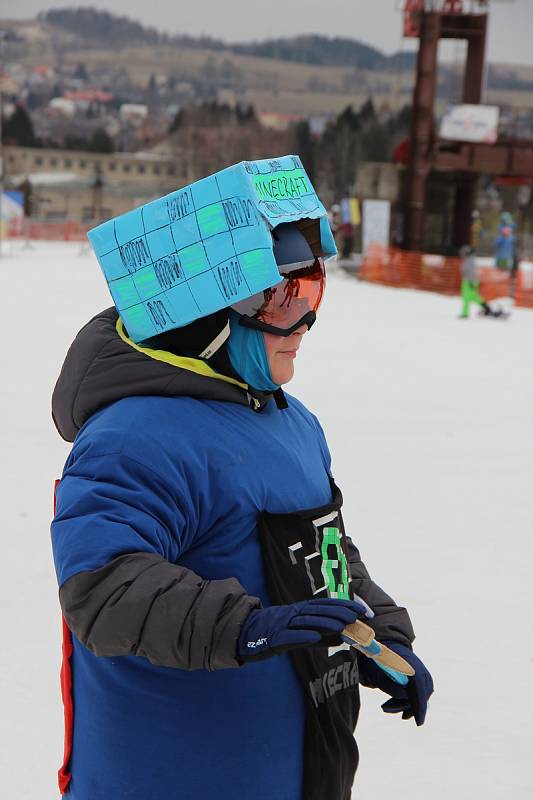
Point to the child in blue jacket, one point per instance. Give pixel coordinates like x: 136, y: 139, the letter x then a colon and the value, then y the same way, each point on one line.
x: 205, y: 575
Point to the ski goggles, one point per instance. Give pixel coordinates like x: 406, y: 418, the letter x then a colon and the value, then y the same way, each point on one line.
x: 283, y: 308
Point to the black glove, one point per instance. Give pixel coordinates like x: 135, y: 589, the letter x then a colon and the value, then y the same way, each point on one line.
x: 412, y: 699
x: 274, y: 630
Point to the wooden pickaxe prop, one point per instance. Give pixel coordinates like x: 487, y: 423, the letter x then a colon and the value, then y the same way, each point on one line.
x: 362, y: 637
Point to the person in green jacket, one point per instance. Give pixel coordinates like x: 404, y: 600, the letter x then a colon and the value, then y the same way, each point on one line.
x: 470, y: 283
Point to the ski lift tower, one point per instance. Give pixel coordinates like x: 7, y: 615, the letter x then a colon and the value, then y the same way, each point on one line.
x: 430, y: 21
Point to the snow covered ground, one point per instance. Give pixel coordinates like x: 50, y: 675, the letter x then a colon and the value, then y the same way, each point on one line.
x: 430, y: 422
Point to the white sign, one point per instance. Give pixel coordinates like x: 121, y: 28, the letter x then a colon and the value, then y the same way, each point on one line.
x: 470, y: 123
x: 376, y: 223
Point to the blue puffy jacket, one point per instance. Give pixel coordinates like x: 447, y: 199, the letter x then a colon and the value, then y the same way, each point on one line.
x: 158, y: 562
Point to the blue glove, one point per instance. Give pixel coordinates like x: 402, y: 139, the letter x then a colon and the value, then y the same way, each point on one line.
x: 412, y: 699
x: 274, y: 630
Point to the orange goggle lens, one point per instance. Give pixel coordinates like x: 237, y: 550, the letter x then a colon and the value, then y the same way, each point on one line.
x: 284, y: 304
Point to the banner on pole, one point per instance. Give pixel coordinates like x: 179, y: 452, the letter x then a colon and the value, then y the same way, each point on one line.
x: 376, y: 223
x: 470, y: 123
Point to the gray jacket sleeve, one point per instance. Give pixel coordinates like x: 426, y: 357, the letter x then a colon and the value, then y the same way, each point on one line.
x: 391, y: 621
x: 140, y: 604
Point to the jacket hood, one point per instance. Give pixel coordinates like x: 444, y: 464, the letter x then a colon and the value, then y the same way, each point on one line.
x: 103, y: 365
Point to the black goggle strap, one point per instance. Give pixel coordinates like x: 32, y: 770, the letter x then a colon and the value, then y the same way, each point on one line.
x: 251, y: 322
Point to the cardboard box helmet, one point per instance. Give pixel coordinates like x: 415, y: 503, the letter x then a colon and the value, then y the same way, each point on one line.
x: 210, y: 245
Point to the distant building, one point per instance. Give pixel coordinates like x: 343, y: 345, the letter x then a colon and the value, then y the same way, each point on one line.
x: 63, y: 105
x: 227, y: 97
x: 78, y: 185
x: 278, y: 122
x: 134, y: 113
x: 85, y: 98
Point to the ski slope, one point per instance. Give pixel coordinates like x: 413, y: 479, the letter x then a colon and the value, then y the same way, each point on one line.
x: 430, y: 423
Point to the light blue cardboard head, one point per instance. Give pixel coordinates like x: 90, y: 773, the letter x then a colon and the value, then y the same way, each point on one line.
x: 206, y: 246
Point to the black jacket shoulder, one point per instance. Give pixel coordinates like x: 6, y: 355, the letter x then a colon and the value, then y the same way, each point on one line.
x: 102, y: 366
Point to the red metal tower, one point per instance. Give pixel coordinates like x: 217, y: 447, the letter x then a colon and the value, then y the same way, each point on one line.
x: 429, y: 26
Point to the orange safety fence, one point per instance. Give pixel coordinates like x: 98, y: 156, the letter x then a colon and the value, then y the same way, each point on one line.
x: 524, y: 288
x: 391, y: 266
x: 394, y: 267
x: 494, y: 283
x: 65, y: 231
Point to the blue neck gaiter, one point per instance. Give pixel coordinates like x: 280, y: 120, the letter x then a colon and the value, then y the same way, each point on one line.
x: 248, y: 356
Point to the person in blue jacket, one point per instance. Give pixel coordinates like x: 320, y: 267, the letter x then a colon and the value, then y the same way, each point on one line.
x: 505, y: 242
x: 205, y: 575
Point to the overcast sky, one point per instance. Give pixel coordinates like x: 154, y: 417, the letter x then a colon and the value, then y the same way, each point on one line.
x: 377, y: 22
